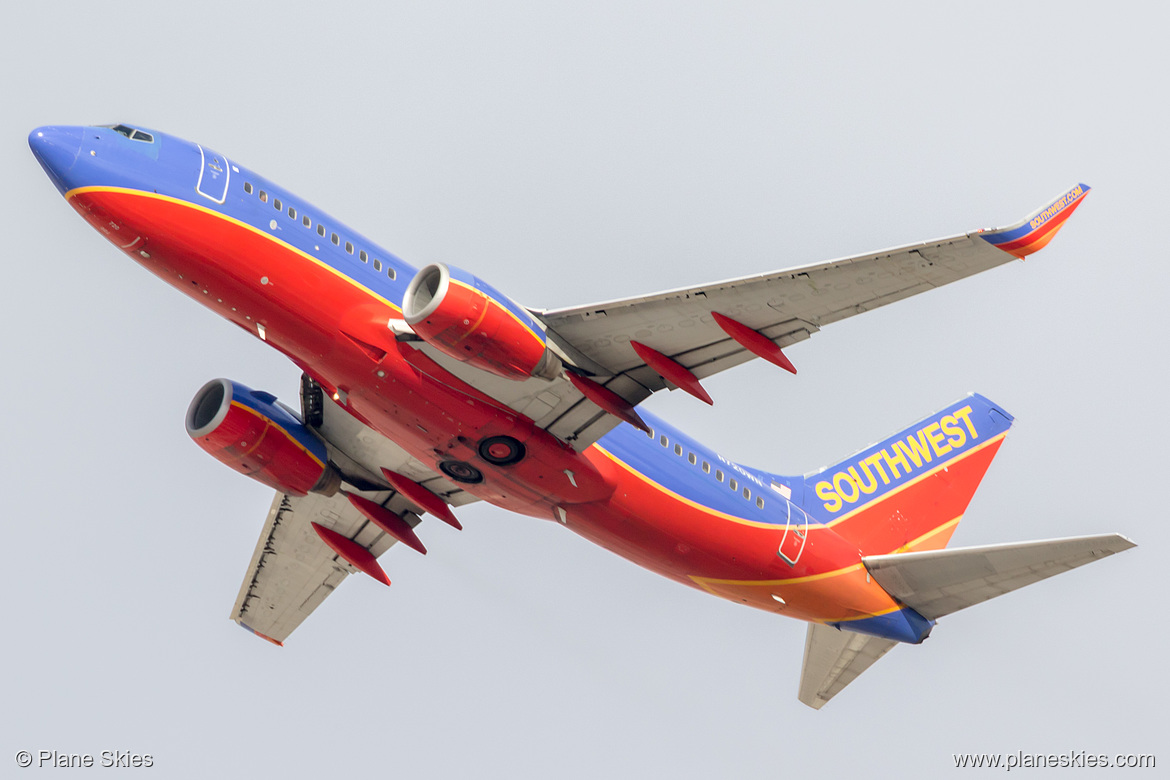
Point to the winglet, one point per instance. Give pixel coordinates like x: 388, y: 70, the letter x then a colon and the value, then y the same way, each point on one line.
x: 1034, y: 233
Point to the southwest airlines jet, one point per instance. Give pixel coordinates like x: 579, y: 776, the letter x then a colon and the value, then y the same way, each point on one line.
x: 424, y: 390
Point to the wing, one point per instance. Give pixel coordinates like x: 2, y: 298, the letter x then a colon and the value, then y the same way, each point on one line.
x: 833, y: 659
x: 292, y: 568
x: 784, y: 306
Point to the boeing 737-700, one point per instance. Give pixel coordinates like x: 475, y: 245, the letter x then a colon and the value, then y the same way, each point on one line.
x: 425, y: 390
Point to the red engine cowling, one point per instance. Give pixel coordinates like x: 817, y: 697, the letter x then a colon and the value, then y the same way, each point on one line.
x: 467, y: 319
x: 247, y: 430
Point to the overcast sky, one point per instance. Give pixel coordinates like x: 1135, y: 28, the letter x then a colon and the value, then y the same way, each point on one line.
x: 568, y: 154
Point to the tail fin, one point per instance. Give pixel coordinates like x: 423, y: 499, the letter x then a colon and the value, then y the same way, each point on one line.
x: 909, y: 491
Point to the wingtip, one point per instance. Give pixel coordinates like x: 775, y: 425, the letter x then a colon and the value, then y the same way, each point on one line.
x: 1033, y: 233
x: 254, y: 632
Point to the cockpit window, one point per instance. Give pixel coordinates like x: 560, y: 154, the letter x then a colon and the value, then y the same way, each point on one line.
x: 132, y: 133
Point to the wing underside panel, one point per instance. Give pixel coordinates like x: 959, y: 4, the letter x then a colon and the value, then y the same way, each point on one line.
x: 292, y: 571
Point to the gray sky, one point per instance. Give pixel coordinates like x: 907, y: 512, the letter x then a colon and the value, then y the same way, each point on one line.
x: 567, y: 155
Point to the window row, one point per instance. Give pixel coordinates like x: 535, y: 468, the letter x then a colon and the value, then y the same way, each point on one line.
x: 693, y: 459
x: 321, y: 231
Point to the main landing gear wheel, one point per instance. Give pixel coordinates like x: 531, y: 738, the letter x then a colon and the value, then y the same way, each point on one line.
x: 501, y: 450
x: 461, y: 471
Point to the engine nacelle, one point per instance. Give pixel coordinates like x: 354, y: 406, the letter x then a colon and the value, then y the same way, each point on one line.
x: 469, y: 320
x: 249, y: 431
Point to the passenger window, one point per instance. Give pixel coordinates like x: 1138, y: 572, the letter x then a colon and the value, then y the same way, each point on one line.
x: 706, y: 467
x: 321, y: 231
x: 248, y: 187
x: 377, y: 265
x: 650, y: 433
x: 276, y: 204
x: 394, y: 275
x: 691, y: 457
x: 678, y: 450
x: 718, y: 475
x: 336, y: 241
x: 306, y: 221
x: 747, y: 493
x: 663, y: 440
x: 760, y: 501
x: 263, y: 196
x: 349, y: 247
x: 292, y: 213
x: 733, y: 484
x: 364, y: 257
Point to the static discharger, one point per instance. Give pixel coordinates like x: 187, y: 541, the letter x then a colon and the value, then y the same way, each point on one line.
x: 422, y: 498
x: 356, y: 555
x: 387, y: 521
x: 672, y: 371
x: 608, y: 400
x: 754, y: 341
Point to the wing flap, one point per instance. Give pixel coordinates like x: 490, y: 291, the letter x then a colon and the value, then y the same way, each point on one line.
x: 833, y: 659
x: 938, y: 582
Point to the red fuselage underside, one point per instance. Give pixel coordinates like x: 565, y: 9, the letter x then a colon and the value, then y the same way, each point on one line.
x: 334, y: 329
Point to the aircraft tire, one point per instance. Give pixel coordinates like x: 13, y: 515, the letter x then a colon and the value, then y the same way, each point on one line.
x: 461, y: 471
x: 501, y: 450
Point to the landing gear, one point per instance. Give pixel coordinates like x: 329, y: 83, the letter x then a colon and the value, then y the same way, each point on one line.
x: 501, y: 450
x: 461, y: 471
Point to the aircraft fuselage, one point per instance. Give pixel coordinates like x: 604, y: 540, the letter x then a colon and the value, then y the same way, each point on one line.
x: 327, y: 297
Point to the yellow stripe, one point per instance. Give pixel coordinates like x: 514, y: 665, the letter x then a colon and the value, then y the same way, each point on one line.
x: 227, y: 218
x: 509, y: 312
x: 704, y: 581
x: 811, y: 525
x: 942, y: 466
x: 910, y: 545
x: 708, y: 510
x: 273, y: 424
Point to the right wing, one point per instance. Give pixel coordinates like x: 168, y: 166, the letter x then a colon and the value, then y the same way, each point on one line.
x: 784, y: 306
x: 778, y: 309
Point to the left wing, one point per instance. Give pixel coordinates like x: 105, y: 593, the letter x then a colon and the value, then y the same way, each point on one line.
x: 292, y: 570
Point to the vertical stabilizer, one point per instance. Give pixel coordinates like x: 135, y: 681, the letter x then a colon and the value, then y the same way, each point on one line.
x: 909, y: 491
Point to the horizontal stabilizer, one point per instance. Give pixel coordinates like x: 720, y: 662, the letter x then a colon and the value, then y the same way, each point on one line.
x: 939, y: 582
x: 833, y: 659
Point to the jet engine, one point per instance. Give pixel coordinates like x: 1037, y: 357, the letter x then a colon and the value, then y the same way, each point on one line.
x: 256, y: 435
x: 469, y: 320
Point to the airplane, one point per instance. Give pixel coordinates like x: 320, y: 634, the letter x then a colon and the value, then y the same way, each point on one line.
x: 424, y: 390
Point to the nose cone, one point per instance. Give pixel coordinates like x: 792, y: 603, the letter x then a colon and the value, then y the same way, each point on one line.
x: 57, y: 149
